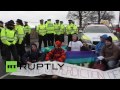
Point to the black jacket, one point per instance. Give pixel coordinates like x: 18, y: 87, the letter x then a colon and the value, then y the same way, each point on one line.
x: 32, y: 56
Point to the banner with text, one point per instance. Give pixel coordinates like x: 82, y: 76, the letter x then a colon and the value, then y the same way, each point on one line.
x: 66, y: 70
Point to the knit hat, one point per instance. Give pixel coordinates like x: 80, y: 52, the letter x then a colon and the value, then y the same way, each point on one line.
x: 109, y: 39
x: 104, y: 36
x: 58, y: 43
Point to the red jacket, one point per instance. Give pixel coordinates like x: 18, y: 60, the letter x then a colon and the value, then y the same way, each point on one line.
x: 56, y: 54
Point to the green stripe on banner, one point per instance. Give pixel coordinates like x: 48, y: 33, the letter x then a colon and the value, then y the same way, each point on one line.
x: 79, y: 61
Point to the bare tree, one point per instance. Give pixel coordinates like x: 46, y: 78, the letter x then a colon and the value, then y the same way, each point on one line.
x: 80, y: 15
x: 92, y: 16
x: 106, y: 15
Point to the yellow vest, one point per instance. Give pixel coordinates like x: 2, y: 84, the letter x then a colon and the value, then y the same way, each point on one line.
x: 57, y: 28
x: 41, y: 29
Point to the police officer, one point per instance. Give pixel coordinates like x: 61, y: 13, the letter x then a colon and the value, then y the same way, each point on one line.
x: 62, y: 30
x: 75, y: 28
x: 27, y: 30
x: 11, y: 21
x: 9, y: 39
x: 57, y: 31
x: 20, y: 34
x: 41, y: 30
x: 2, y: 46
x: 50, y: 32
x: 70, y: 30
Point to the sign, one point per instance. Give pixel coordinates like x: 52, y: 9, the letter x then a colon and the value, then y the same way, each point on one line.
x: 70, y: 71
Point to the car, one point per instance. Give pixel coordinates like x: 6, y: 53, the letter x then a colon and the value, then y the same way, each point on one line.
x: 91, y: 34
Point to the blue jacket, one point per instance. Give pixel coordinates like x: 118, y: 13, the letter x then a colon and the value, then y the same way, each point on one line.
x: 99, y: 46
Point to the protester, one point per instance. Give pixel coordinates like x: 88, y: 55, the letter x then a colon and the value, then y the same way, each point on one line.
x: 57, y: 54
x: 33, y: 55
x: 75, y: 44
x: 100, y: 45
x: 110, y: 53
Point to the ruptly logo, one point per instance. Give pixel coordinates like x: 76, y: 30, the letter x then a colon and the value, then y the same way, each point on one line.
x: 11, y: 66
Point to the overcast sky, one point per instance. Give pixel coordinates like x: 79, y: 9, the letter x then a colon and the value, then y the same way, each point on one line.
x: 35, y: 16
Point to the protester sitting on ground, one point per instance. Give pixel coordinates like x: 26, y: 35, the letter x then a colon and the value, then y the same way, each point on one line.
x: 56, y: 54
x: 75, y: 44
x: 100, y: 45
x: 33, y: 55
x: 110, y: 53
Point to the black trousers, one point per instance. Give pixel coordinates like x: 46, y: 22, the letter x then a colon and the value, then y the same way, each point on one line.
x: 62, y: 37
x: 21, y: 50
x: 2, y: 49
x: 44, y: 39
x: 69, y: 38
x: 27, y: 39
x: 11, y: 50
x: 58, y: 37
x: 50, y: 38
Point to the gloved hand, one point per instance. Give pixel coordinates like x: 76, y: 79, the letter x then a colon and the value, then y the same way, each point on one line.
x: 100, y: 57
x: 13, y: 43
x: 9, y: 44
x: 19, y: 42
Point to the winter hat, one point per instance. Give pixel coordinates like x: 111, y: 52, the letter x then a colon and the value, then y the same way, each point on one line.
x: 109, y: 39
x: 104, y: 36
x: 58, y: 43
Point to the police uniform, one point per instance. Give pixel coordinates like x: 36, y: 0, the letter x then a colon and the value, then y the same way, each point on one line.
x: 27, y: 30
x: 50, y: 32
x: 20, y: 35
x: 9, y: 39
x: 57, y: 31
x: 62, y: 30
x: 41, y: 30
x: 2, y: 46
x: 70, y: 30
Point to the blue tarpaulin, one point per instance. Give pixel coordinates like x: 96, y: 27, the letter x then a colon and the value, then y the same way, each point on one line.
x: 48, y: 49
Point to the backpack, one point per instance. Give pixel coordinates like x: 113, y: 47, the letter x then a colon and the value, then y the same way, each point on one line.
x: 101, y: 65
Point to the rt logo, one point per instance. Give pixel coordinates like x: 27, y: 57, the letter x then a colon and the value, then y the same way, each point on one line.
x: 11, y: 66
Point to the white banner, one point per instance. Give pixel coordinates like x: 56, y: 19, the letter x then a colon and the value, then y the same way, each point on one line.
x: 66, y: 70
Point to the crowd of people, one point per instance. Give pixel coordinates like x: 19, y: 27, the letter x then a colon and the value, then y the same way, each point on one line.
x: 14, y: 37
